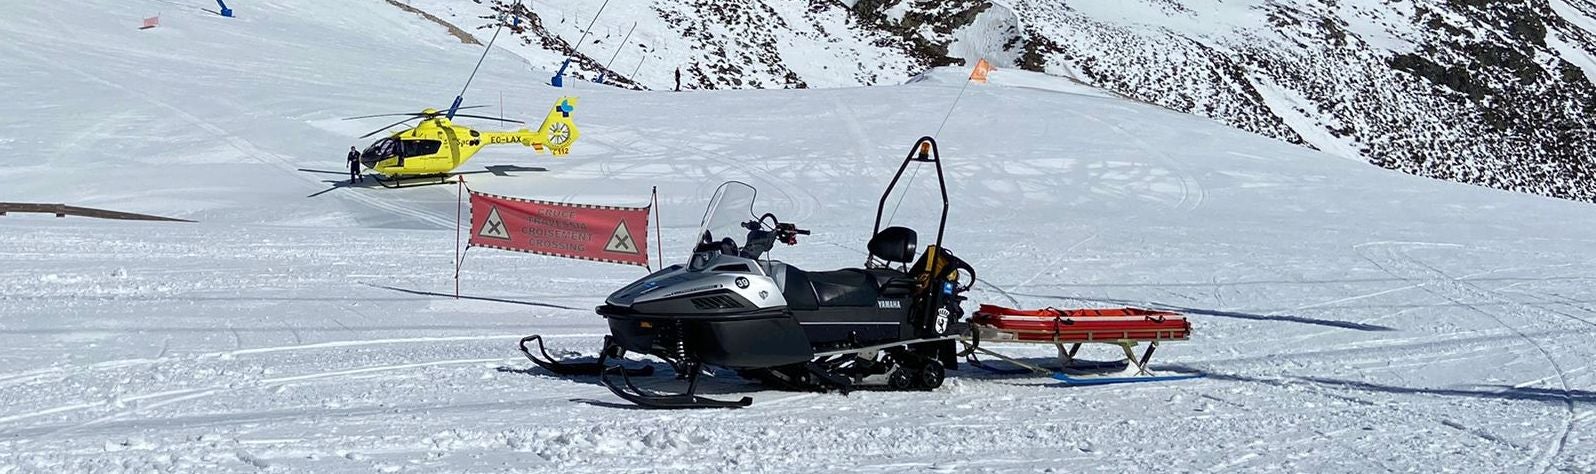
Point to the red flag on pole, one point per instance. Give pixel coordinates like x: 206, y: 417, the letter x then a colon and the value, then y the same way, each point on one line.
x: 151, y: 22
x: 982, y: 68
x: 580, y: 231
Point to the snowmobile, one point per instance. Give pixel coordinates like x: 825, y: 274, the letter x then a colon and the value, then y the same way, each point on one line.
x: 890, y: 325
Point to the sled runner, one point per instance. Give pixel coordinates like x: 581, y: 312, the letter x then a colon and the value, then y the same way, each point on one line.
x: 1123, y: 327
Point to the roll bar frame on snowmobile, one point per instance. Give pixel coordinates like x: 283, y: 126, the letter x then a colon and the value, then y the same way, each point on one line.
x: 942, y: 262
x: 937, y: 262
x: 926, y: 149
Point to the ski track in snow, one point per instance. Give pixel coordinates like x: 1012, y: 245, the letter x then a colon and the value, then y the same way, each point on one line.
x: 1192, y: 192
x: 1402, y: 265
x: 310, y: 334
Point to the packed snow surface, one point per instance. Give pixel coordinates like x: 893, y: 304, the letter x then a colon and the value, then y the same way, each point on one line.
x: 1347, y: 318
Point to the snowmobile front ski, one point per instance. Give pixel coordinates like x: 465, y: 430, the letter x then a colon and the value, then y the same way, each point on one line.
x: 578, y: 368
x: 648, y: 399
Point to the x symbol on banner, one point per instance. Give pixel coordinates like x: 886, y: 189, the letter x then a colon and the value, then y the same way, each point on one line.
x: 493, y: 227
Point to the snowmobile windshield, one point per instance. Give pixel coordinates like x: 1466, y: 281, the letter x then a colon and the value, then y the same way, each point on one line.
x: 726, y: 222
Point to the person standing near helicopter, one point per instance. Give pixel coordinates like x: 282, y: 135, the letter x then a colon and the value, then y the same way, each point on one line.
x: 354, y: 165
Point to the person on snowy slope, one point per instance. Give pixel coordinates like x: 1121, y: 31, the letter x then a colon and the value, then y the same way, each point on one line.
x: 354, y: 165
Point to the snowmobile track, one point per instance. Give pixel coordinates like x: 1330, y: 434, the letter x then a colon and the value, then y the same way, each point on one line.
x: 169, y: 397
x: 1399, y: 263
x: 1192, y: 193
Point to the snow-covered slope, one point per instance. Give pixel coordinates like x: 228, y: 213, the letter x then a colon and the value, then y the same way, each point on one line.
x: 1349, y: 318
x: 1498, y: 94
x: 715, y: 44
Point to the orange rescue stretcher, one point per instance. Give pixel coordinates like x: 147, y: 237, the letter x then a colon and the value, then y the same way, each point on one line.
x: 1068, y: 330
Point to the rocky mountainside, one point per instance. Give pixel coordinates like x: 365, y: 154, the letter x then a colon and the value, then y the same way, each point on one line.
x: 1500, y: 94
x: 1491, y: 93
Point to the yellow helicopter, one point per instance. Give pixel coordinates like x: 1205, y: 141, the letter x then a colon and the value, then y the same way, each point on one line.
x: 436, y: 146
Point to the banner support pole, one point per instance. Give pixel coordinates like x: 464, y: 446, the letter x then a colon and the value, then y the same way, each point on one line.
x: 659, y: 246
x: 459, y: 201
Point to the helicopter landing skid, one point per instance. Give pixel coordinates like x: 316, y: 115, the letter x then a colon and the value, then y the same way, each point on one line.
x: 414, y: 181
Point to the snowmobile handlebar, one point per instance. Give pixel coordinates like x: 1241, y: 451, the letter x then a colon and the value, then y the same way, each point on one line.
x: 784, y: 232
x: 788, y: 233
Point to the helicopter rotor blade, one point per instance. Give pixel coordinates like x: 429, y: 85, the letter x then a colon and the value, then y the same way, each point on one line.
x: 489, y: 118
x: 411, y: 114
x: 414, y: 114
x: 384, y: 129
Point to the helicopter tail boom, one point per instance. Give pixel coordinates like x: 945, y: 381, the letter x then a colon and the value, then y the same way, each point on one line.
x: 523, y: 136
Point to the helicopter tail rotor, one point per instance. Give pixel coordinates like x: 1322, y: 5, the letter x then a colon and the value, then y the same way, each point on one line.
x: 558, y: 132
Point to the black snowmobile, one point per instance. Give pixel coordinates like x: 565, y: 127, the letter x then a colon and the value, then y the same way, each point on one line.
x: 890, y: 325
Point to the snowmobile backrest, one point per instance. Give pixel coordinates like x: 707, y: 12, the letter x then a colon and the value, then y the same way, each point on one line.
x: 894, y: 244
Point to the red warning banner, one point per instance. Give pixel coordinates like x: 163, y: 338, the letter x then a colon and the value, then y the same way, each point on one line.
x: 598, y: 233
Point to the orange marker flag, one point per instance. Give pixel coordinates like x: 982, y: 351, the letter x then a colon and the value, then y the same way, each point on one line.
x: 981, y: 69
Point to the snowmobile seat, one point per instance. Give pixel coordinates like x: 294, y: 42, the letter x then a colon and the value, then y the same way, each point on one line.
x: 846, y: 287
x: 805, y: 290
x: 893, y: 283
x: 894, y: 244
x: 798, y: 291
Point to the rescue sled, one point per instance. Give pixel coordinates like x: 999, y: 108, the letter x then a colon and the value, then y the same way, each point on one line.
x: 1122, y: 327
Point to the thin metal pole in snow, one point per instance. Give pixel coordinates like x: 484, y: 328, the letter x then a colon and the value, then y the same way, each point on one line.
x: 639, y: 67
x: 461, y: 97
x: 622, y: 46
x: 951, y: 108
x: 459, y: 201
x: 659, y: 246
x: 938, y: 134
x: 589, y: 29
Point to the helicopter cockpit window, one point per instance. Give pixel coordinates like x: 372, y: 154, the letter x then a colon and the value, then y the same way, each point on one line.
x: 381, y: 149
x: 420, y: 147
